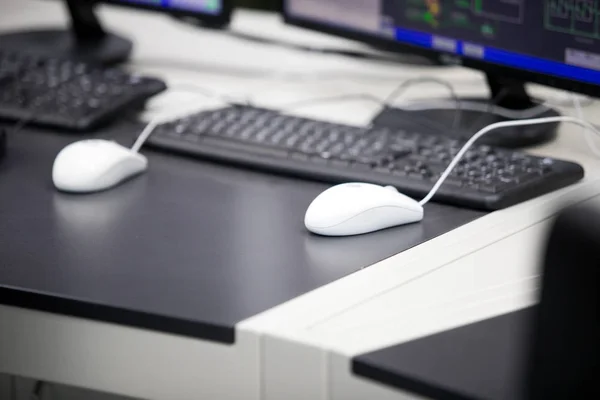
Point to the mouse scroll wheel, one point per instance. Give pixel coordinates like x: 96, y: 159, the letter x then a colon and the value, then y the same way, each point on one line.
x: 391, y: 188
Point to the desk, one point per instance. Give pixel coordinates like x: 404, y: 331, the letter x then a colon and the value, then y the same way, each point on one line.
x: 484, y: 360
x: 171, y: 293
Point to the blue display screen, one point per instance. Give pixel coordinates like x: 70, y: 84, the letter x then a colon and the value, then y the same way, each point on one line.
x: 559, y: 38
x: 213, y: 7
x: 504, y: 57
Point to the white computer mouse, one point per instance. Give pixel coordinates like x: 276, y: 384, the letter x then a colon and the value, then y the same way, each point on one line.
x: 95, y: 165
x: 357, y: 208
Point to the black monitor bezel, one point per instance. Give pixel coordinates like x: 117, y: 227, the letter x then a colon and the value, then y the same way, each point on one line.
x: 216, y: 21
x: 444, y: 58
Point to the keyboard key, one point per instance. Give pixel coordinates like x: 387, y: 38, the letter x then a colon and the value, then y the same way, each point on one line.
x: 399, y: 172
x: 384, y: 170
x: 491, y: 189
x: 361, y: 166
x: 299, y: 156
x: 320, y: 160
x: 244, y: 148
x: 340, y: 163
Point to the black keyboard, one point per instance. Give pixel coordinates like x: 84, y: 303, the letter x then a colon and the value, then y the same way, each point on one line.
x: 68, y: 94
x: 487, y: 178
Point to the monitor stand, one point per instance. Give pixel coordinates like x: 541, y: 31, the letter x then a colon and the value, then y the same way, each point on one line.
x: 508, y: 93
x: 86, y: 40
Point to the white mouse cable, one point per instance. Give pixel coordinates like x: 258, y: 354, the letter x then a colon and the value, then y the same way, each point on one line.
x: 187, y: 87
x: 490, y: 128
x: 479, y: 107
x: 407, y: 84
x: 533, y: 112
x: 154, y: 122
x: 150, y: 127
x: 356, y: 97
x: 388, y: 102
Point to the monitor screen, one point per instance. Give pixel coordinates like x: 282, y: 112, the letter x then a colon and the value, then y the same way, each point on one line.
x: 213, y: 7
x: 555, y: 38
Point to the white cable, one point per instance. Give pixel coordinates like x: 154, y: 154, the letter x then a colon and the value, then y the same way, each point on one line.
x: 398, y: 91
x: 587, y: 134
x: 474, y: 106
x: 404, y: 86
x: 206, y: 92
x: 487, y: 129
x: 150, y: 127
x: 441, y: 104
x: 417, y: 81
x: 542, y: 107
x: 159, y: 119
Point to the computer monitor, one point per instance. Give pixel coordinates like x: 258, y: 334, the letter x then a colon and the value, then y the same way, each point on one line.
x: 88, y: 41
x: 211, y: 12
x: 550, y: 42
